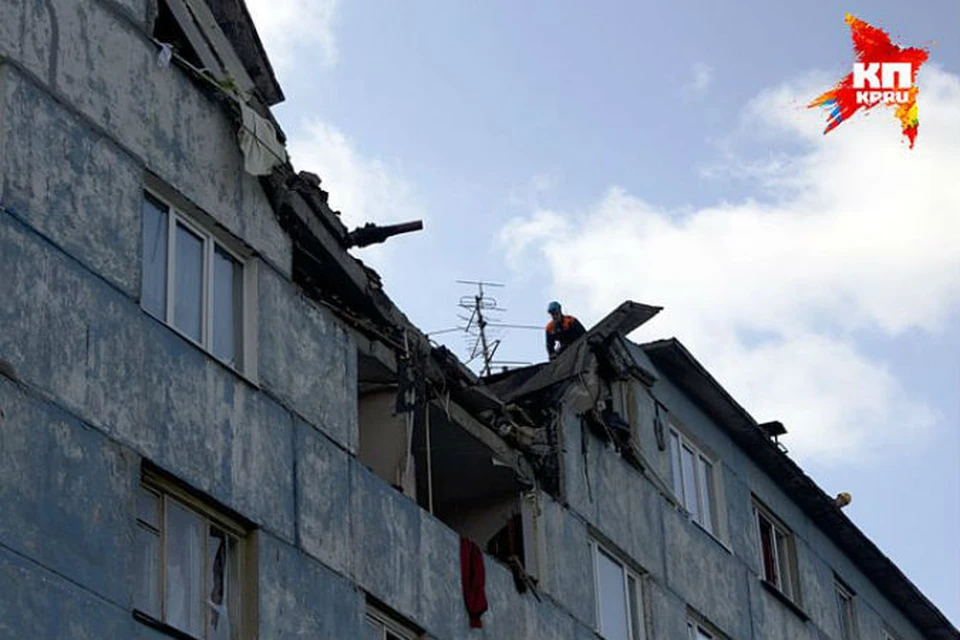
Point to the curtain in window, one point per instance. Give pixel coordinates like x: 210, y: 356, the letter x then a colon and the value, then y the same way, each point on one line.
x: 188, y: 293
x: 147, y: 595
x: 227, y: 290
x: 184, y: 576
x: 690, y: 484
x: 153, y: 285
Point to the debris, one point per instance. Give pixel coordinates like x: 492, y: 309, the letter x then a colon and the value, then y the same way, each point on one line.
x: 372, y: 234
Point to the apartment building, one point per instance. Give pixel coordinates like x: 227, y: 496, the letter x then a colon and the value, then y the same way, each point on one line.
x: 214, y: 423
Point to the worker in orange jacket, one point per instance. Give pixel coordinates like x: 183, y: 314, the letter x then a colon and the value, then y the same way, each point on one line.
x: 561, y: 330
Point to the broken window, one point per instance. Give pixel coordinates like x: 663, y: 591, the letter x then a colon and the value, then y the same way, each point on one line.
x: 189, y: 565
x: 194, y: 283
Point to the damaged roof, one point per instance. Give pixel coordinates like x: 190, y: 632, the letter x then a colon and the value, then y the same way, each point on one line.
x: 355, y: 293
x: 234, y: 18
x: 619, y: 322
x: 674, y: 361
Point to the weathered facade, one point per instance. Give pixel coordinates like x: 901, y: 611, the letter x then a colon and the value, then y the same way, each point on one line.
x: 215, y: 424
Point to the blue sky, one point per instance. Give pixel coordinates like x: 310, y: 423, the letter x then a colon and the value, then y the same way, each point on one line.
x: 661, y: 152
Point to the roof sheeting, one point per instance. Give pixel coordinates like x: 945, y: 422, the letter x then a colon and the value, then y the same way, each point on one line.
x: 621, y: 321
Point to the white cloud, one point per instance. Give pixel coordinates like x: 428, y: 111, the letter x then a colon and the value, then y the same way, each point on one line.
x: 700, y: 81
x: 292, y: 29
x: 363, y: 189
x: 529, y: 194
x: 773, y: 296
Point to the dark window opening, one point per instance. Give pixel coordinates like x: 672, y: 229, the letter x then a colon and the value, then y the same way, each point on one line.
x: 167, y: 29
x: 507, y: 543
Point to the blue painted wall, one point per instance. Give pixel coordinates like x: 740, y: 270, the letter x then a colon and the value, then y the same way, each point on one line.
x: 85, y: 114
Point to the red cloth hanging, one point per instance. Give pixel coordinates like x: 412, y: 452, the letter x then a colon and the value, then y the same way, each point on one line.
x: 473, y: 578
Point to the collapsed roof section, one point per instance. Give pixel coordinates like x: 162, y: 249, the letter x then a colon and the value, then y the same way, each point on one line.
x: 520, y: 383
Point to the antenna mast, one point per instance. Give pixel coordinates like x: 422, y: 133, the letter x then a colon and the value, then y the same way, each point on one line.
x: 480, y: 344
x: 477, y: 323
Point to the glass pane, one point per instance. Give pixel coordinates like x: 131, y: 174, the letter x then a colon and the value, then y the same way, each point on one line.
x: 148, y: 508
x: 392, y: 636
x: 844, y: 607
x: 372, y: 630
x: 706, y: 493
x: 234, y: 578
x: 690, y: 483
x: 184, y: 564
x: 675, y: 464
x: 766, y: 550
x: 636, y: 608
x: 153, y: 285
x: 146, y: 597
x: 227, y: 306
x: 188, y: 291
x: 613, y: 602
x: 783, y: 559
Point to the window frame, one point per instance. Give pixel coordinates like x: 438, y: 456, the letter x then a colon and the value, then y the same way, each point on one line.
x: 181, y: 212
x: 636, y: 613
x: 700, y: 457
x: 244, y: 535
x: 695, y: 627
x: 389, y: 623
x: 846, y: 599
x: 777, y: 526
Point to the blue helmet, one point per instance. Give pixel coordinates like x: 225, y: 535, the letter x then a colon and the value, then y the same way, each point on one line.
x: 553, y: 307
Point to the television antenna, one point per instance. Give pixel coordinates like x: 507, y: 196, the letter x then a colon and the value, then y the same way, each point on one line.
x: 481, y: 315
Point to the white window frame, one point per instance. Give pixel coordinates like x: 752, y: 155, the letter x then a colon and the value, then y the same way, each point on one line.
x: 846, y: 599
x: 634, y: 605
x: 792, y: 590
x: 699, y: 458
x: 388, y: 623
x: 694, y: 628
x: 246, y: 361
x: 166, y: 491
